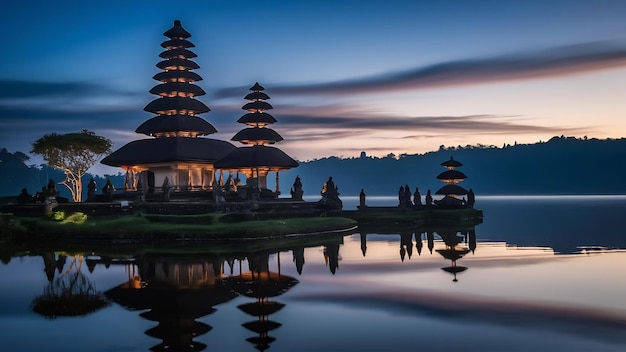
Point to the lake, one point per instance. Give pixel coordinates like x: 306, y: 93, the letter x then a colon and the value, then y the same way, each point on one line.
x: 540, y: 273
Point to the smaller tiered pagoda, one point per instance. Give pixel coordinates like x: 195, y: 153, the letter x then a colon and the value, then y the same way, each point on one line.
x: 257, y: 159
x: 451, y: 190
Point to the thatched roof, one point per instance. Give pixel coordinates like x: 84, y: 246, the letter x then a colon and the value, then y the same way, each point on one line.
x: 451, y: 175
x: 170, y: 149
x: 177, y: 62
x: 176, y: 103
x: 177, y: 43
x: 257, y: 105
x: 177, y: 31
x: 257, y: 134
x: 167, y: 54
x: 257, y: 117
x: 451, y: 163
x: 256, y: 156
x: 175, y: 123
x: 170, y: 87
x: 257, y: 96
x: 451, y: 189
x: 257, y: 87
x: 168, y: 76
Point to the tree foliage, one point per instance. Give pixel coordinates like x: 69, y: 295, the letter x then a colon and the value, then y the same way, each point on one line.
x: 73, y: 153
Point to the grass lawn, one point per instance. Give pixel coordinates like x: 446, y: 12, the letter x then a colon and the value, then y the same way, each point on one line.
x: 204, y: 226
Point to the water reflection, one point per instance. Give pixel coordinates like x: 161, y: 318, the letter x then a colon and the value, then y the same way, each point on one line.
x: 378, y: 289
x: 71, y: 293
x: 175, y: 290
x: 261, y: 284
x: 458, y: 241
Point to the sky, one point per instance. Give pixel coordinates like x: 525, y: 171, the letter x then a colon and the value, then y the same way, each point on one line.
x: 343, y: 76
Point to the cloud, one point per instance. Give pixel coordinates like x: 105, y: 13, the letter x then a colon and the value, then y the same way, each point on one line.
x: 66, y: 96
x: 560, y: 61
x: 38, y: 89
x: 371, y: 122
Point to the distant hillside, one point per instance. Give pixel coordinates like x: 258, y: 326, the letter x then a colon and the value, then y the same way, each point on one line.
x: 562, y: 165
x: 15, y: 174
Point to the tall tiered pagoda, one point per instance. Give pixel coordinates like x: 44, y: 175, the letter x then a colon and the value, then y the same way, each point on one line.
x: 257, y: 159
x: 178, y: 156
x: 451, y: 177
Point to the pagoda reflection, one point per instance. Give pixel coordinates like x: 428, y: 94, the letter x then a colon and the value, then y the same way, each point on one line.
x: 457, y: 242
x: 261, y: 284
x: 175, y: 291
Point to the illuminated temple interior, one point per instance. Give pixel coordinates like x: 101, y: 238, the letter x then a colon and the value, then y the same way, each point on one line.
x: 178, y: 155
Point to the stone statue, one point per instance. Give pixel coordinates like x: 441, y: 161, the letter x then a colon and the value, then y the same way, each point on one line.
x: 330, y: 196
x: 107, y: 191
x: 296, y: 190
x: 91, y: 190
x: 417, y: 198
x: 471, y: 198
x: 24, y: 197
x: 362, y: 199
x: 165, y: 187
x: 329, y: 189
x: 407, y: 196
x: 51, y: 190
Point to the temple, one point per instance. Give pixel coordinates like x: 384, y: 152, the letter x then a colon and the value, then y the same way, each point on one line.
x: 177, y: 157
x: 257, y: 159
x: 451, y: 177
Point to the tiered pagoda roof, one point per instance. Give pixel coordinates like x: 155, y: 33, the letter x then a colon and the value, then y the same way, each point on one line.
x: 451, y: 177
x: 257, y: 135
x: 176, y: 125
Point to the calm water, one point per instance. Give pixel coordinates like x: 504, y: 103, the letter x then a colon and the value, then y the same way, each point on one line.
x: 540, y: 273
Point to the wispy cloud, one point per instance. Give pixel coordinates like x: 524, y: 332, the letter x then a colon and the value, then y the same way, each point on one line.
x: 433, y: 124
x: 566, y: 60
x: 66, y: 96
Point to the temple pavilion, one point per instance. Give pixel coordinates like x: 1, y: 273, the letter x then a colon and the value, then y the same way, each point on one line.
x: 451, y: 177
x: 177, y: 156
x: 257, y: 159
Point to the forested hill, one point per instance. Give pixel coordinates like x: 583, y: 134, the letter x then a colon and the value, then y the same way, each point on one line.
x: 562, y: 165
x: 16, y: 173
x: 558, y: 166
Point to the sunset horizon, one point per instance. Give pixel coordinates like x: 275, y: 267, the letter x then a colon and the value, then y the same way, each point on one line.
x: 406, y: 80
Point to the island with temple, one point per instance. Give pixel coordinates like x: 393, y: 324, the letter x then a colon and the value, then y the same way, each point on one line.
x: 413, y: 209
x: 179, y: 183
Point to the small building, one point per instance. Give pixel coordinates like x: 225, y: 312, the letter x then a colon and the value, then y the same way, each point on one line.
x: 256, y: 160
x: 451, y: 190
x: 177, y: 156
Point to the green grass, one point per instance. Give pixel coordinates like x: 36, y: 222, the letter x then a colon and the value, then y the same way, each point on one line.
x: 208, y: 226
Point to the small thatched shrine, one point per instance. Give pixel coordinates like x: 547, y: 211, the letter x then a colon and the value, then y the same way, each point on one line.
x: 451, y: 190
x: 257, y: 159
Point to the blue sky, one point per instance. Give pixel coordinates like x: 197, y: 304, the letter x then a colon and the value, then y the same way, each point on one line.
x: 344, y: 76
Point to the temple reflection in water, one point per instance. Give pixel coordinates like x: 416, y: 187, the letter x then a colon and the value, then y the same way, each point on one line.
x: 457, y: 241
x: 175, y: 290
